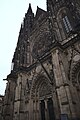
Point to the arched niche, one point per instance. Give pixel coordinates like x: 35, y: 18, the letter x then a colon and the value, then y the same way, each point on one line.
x: 42, y: 96
x: 75, y: 74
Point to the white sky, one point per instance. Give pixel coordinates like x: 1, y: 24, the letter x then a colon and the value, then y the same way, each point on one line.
x: 11, y: 16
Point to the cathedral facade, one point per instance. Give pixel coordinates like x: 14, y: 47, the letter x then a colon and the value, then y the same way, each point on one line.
x: 44, y: 83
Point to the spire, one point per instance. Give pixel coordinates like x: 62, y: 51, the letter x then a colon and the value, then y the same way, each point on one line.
x: 30, y: 9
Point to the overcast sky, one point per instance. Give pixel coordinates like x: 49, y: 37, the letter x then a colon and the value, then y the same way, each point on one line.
x: 11, y: 16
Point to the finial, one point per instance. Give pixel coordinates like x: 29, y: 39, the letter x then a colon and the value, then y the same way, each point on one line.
x: 30, y: 8
x: 29, y: 4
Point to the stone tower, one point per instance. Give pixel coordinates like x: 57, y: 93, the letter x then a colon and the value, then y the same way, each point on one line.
x: 44, y: 83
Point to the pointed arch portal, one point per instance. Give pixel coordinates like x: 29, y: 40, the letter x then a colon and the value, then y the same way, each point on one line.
x: 42, y: 91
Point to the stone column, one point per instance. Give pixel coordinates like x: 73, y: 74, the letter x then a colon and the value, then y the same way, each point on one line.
x: 31, y: 109
x: 8, y: 103
x: 46, y: 110
x: 37, y: 110
x: 62, y: 86
x: 56, y: 105
x: 17, y: 98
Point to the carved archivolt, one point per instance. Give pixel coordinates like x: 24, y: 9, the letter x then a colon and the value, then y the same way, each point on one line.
x: 44, y: 90
x: 41, y: 86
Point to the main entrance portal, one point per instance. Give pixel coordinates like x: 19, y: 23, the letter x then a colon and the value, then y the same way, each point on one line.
x: 43, y: 107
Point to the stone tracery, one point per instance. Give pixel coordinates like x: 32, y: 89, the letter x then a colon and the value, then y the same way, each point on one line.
x: 41, y: 84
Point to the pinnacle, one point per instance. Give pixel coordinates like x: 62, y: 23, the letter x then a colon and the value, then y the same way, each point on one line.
x: 29, y: 9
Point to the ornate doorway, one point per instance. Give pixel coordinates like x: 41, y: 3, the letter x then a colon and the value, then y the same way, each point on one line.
x: 43, y: 99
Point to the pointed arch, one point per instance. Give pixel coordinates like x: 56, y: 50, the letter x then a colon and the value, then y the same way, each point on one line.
x: 75, y: 74
x: 41, y: 83
x: 65, y: 22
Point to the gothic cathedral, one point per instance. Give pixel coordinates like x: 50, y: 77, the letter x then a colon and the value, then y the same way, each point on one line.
x: 44, y: 83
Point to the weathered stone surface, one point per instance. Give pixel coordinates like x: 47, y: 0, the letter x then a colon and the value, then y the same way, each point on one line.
x: 44, y: 83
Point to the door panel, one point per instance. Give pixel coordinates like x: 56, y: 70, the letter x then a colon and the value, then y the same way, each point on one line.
x: 50, y: 109
x: 42, y: 109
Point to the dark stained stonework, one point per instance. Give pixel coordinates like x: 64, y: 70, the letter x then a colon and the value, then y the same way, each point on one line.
x: 44, y: 83
x: 1, y: 106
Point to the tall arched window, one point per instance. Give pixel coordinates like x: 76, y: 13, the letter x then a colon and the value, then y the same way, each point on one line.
x: 67, y: 24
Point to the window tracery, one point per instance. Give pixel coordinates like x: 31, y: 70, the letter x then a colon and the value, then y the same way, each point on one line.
x: 67, y: 24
